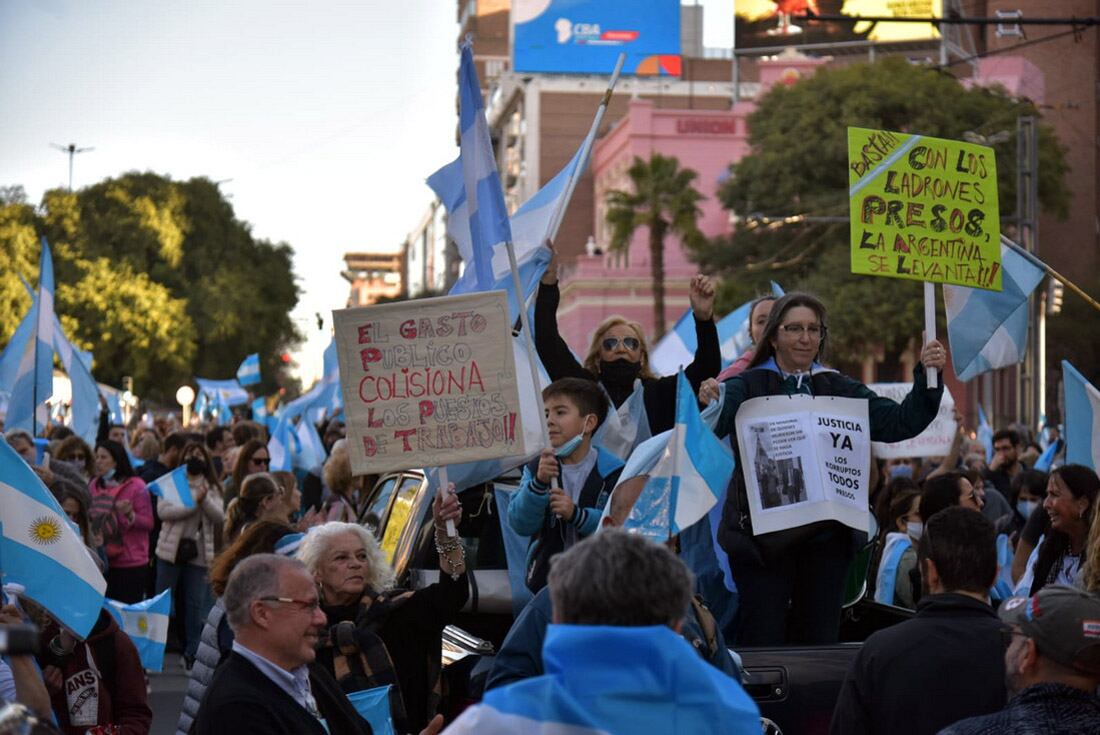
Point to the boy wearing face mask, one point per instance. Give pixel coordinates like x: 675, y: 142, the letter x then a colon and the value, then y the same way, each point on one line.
x: 563, y: 491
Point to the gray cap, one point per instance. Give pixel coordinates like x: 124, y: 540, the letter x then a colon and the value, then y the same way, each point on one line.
x: 1063, y: 621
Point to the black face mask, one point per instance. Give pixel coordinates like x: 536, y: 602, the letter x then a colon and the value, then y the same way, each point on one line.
x: 196, y: 466
x: 619, y: 372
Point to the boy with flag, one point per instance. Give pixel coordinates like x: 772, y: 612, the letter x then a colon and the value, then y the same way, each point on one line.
x: 554, y: 517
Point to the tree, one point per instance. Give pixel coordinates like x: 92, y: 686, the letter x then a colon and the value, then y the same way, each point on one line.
x: 798, y: 166
x: 663, y: 201
x: 157, y: 277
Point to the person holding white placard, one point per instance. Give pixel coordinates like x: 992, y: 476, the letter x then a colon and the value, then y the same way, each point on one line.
x: 792, y: 582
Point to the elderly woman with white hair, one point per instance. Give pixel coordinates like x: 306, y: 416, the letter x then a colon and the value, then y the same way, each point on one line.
x: 379, y: 635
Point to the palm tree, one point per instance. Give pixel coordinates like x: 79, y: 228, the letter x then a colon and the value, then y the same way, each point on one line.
x: 664, y: 201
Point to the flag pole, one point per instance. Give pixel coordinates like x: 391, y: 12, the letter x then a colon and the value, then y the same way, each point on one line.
x: 930, y: 327
x: 1051, y: 272
x: 586, y: 149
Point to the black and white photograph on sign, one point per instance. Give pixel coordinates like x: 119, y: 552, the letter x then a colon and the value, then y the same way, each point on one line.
x: 781, y: 481
x: 805, y: 459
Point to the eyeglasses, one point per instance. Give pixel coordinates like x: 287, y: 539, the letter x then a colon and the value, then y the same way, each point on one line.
x: 816, y: 331
x: 310, y: 606
x: 265, y: 461
x: 630, y: 343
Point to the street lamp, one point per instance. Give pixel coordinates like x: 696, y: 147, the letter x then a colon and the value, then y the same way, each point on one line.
x: 185, y: 396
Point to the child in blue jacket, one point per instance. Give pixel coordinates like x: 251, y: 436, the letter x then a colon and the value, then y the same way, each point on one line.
x: 586, y: 474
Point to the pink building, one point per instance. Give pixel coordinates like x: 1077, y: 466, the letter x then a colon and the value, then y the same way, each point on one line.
x: 594, y: 287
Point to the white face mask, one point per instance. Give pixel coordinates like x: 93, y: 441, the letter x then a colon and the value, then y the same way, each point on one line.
x: 914, y: 529
x: 1026, y: 507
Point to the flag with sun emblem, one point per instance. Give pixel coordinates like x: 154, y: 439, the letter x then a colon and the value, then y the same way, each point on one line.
x: 42, y: 552
x: 146, y: 623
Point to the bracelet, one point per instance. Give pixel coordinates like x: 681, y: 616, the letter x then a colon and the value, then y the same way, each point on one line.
x: 57, y: 649
x: 444, y: 549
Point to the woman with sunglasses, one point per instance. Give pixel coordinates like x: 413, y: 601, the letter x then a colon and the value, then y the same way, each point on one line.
x: 252, y: 458
x: 78, y: 454
x: 794, y: 579
x: 618, y: 356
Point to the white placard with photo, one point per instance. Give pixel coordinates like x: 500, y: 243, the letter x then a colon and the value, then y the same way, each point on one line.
x: 805, y: 459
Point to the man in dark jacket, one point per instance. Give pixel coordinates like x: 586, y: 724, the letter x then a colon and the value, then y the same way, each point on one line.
x: 946, y: 663
x: 266, y: 685
x: 520, y: 656
x: 1053, y: 666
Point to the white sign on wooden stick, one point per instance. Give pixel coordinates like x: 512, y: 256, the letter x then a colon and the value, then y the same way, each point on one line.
x: 428, y: 382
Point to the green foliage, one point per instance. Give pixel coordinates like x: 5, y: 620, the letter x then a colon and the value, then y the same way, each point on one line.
x: 157, y: 277
x: 799, y: 166
x: 664, y: 201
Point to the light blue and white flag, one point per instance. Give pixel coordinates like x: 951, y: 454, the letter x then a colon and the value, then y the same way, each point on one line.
x: 985, y: 434
x: 309, y: 451
x: 17, y: 345
x: 42, y: 552
x: 174, y: 488
x: 1082, y: 418
x: 146, y: 623
x: 677, y: 348
x: 688, y: 479
x: 230, y: 390
x: 282, y: 446
x: 488, y: 215
x: 988, y: 329
x: 259, y: 410
x: 531, y: 226
x: 249, y: 371
x: 33, y: 383
x: 1046, y: 460
x: 625, y: 427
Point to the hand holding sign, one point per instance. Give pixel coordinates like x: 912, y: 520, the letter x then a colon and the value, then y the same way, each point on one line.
x: 446, y: 510
x: 933, y: 355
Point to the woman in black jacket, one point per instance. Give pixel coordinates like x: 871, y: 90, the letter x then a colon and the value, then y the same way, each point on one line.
x: 618, y: 355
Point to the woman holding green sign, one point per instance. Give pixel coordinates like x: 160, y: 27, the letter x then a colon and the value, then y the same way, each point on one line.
x: 791, y: 583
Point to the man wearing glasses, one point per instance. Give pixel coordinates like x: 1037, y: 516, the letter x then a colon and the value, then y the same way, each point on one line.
x: 266, y: 686
x: 1052, y: 666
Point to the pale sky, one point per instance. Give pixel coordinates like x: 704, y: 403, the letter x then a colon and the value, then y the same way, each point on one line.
x: 324, y: 117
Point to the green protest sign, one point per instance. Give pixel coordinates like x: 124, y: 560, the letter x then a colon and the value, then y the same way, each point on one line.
x: 924, y: 209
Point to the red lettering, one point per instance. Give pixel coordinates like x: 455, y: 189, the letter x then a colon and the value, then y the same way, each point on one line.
x: 370, y: 446
x: 408, y: 329
x: 427, y: 408
x: 369, y: 355
x: 403, y: 435
x: 371, y: 421
x: 364, y: 333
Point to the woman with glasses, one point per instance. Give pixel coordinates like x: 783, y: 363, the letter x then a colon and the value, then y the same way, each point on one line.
x: 379, y: 635
x: 78, y: 454
x: 189, y: 539
x: 618, y: 356
x: 791, y: 583
x: 252, y: 458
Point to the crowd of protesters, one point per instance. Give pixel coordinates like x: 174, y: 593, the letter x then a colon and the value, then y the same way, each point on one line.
x: 285, y: 604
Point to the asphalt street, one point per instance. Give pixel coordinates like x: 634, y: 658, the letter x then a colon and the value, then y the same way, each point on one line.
x: 167, y: 695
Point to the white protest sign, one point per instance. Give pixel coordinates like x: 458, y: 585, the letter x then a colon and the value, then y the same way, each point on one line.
x: 805, y: 459
x: 935, y: 441
x: 429, y: 382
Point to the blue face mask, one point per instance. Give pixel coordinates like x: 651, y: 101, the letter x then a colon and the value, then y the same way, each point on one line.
x: 901, y: 470
x: 1026, y: 507
x: 569, y: 447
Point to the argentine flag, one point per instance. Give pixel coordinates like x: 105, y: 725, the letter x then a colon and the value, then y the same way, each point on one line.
x: 532, y: 225
x: 174, y: 487
x: 988, y: 329
x: 625, y: 427
x: 146, y: 623
x: 249, y: 371
x: 1082, y: 418
x: 688, y: 478
x: 33, y: 383
x: 230, y: 390
x: 677, y: 348
x: 41, y: 551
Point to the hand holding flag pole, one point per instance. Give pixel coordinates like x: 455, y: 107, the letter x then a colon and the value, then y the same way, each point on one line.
x: 930, y: 327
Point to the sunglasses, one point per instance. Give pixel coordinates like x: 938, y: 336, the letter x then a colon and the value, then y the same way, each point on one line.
x: 630, y: 343
x: 265, y: 461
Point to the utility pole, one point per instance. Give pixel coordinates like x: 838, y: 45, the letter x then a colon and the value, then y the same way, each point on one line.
x: 1029, y: 389
x: 72, y: 150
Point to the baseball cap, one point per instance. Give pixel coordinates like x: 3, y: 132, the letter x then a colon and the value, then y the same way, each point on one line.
x: 1063, y: 621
